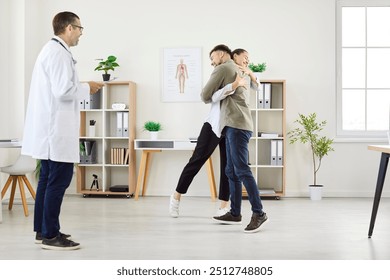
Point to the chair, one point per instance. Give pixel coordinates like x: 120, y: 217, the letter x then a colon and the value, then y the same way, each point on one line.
x: 17, y: 172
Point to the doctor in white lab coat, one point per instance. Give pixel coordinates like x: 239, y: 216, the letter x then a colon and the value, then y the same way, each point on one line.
x: 52, y: 127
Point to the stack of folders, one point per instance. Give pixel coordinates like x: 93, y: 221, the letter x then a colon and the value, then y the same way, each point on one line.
x: 93, y: 102
x: 277, y: 152
x: 119, y: 156
x: 122, y: 124
x: 264, y: 95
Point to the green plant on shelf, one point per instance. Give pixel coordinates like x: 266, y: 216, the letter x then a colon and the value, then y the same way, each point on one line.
x: 108, y: 64
x: 258, y: 68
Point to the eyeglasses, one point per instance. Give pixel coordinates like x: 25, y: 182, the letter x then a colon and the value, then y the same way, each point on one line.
x: 79, y: 27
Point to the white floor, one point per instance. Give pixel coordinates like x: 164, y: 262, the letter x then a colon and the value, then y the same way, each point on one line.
x: 125, y: 229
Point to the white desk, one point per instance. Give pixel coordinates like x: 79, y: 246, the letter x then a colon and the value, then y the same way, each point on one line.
x: 152, y: 146
x: 8, y: 144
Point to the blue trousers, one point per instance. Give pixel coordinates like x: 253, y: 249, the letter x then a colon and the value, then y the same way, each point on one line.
x: 239, y: 172
x: 54, y: 179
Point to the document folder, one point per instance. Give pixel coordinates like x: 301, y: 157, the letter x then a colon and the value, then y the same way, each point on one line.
x: 119, y: 124
x: 280, y: 152
x: 274, y: 152
x: 125, y: 130
x: 260, y: 96
x: 267, y: 95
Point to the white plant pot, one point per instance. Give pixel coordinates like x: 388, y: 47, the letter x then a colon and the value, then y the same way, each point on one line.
x: 91, y: 131
x: 315, y: 192
x: 257, y: 75
x: 153, y: 135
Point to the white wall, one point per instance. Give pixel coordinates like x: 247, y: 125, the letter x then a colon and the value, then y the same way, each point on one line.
x: 295, y: 38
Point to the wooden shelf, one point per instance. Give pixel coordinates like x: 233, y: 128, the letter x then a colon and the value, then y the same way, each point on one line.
x: 106, y: 120
x: 269, y: 120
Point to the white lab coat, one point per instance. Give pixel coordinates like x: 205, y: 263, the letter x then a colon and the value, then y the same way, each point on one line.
x: 52, y: 122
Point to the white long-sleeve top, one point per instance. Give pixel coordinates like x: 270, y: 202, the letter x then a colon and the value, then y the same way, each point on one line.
x: 52, y: 122
x: 213, y: 118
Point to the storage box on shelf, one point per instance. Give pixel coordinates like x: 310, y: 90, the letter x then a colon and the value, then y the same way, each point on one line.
x: 109, y: 167
x: 267, y: 145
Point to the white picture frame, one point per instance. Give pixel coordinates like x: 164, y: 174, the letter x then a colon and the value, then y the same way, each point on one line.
x: 182, y: 74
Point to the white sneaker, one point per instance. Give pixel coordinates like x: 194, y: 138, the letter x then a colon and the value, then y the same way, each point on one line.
x: 174, y: 207
x: 222, y: 211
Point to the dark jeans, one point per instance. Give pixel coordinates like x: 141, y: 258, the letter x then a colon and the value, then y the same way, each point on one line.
x: 205, y: 146
x: 239, y: 172
x: 54, y: 179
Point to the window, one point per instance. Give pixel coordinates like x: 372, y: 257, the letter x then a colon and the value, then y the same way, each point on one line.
x: 363, y: 68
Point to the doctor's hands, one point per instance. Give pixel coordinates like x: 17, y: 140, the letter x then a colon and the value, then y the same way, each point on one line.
x: 94, y: 86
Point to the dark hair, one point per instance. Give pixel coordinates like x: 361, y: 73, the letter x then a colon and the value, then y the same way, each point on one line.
x: 237, y: 52
x: 62, y: 20
x: 221, y: 47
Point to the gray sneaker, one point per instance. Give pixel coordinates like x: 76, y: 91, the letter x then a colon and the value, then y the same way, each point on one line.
x: 228, y: 219
x: 59, y: 243
x: 256, y: 221
x: 38, y: 237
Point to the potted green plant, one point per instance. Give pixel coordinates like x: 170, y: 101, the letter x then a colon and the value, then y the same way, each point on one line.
x: 153, y: 128
x: 257, y: 68
x: 106, y: 65
x: 308, y: 132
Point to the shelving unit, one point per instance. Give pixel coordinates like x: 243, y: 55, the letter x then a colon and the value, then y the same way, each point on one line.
x: 270, y: 178
x: 105, y: 139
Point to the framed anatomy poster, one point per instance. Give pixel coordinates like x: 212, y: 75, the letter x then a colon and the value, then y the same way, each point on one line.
x: 182, y: 74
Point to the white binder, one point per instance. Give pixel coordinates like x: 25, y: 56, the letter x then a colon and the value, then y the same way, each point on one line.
x: 267, y: 95
x: 87, y: 104
x: 81, y: 104
x: 260, y: 95
x: 274, y: 148
x: 119, y: 124
x: 125, y: 131
x: 280, y: 153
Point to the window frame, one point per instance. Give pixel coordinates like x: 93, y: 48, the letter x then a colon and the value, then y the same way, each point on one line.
x: 341, y: 133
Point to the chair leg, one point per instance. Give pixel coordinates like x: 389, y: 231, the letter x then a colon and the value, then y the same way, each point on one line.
x: 11, y: 199
x: 5, y: 188
x: 23, y: 195
x: 30, y: 188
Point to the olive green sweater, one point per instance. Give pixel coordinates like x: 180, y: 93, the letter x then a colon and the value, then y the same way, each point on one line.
x: 234, y: 108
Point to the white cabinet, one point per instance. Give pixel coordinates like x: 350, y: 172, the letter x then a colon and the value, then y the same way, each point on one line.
x: 113, y: 137
x: 267, y: 155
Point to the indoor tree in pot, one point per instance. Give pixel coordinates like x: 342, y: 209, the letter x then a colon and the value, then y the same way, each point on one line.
x: 106, y: 65
x: 153, y: 128
x: 320, y: 146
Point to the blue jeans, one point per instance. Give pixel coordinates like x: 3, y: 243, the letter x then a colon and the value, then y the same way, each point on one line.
x: 54, y: 179
x: 239, y: 172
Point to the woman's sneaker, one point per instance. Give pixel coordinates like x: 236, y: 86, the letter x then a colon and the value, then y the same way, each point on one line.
x: 221, y: 211
x: 174, y: 207
x: 256, y: 221
x: 59, y: 243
